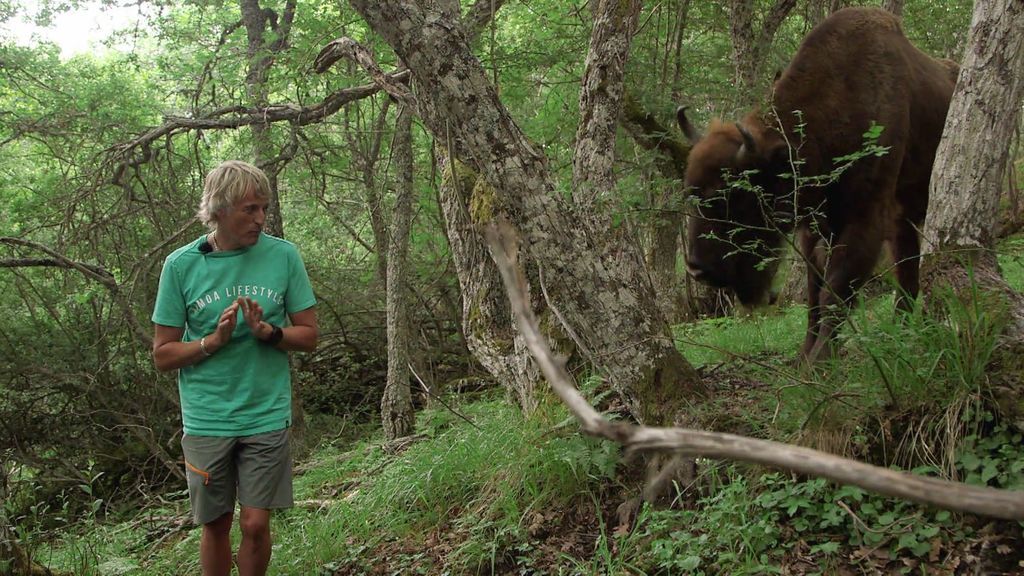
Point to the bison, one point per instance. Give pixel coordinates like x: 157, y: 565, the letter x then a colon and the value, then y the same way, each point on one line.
x: 853, y: 71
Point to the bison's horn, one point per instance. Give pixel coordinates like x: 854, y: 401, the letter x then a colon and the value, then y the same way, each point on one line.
x: 689, y: 131
x: 749, y: 146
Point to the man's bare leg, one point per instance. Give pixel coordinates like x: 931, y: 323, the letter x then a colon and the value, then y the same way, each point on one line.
x: 215, y: 547
x: 254, y: 552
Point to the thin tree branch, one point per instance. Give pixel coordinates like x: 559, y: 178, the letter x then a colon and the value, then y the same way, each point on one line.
x: 49, y: 262
x: 97, y: 273
x: 439, y: 399
x: 93, y: 272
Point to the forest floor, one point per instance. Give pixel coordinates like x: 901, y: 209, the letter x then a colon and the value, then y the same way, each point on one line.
x: 479, y: 489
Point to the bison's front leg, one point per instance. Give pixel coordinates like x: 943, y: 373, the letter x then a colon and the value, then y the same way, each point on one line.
x: 906, y: 251
x: 850, y: 262
x: 814, y: 256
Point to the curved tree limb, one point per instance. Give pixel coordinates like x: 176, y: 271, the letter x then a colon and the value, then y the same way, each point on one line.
x: 992, y: 502
x: 480, y: 15
x: 91, y: 271
x: 352, y: 50
x: 238, y: 116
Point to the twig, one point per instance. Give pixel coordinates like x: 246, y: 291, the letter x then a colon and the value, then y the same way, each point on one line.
x: 439, y: 399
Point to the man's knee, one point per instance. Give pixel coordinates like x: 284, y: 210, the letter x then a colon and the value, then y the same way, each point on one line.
x: 255, y: 523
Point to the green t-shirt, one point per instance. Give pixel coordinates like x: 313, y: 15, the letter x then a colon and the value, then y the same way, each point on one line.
x: 245, y: 388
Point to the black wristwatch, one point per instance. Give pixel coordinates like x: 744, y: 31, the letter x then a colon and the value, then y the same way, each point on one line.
x: 275, y: 336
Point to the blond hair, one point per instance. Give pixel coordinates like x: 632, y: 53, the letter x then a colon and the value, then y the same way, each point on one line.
x: 227, y: 184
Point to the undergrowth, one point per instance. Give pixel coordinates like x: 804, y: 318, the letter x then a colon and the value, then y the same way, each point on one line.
x: 487, y: 491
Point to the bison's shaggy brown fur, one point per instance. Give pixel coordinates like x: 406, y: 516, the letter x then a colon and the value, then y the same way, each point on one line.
x: 853, y: 70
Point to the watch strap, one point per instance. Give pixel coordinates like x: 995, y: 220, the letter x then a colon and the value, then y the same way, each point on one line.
x: 275, y: 336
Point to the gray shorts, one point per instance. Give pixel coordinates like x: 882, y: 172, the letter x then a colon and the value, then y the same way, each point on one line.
x: 258, y: 469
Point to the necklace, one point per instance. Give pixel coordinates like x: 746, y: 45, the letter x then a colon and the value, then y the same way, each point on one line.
x: 213, y: 241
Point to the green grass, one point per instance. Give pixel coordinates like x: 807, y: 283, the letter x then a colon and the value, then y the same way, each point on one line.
x: 778, y: 331
x: 1010, y: 254
x: 480, y: 482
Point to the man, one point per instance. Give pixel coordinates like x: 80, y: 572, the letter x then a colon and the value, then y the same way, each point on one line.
x: 233, y: 376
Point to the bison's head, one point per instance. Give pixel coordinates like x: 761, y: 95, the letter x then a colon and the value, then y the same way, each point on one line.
x: 733, y: 174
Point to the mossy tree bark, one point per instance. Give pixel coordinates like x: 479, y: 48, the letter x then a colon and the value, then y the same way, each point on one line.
x: 467, y: 201
x: 487, y: 321
x: 591, y: 283
x: 965, y: 188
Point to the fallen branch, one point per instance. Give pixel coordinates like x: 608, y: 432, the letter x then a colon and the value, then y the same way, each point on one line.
x: 1007, y: 504
x: 315, y: 504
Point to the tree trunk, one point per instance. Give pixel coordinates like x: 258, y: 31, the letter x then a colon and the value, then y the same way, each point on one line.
x: 600, y: 106
x: 817, y: 10
x: 749, y: 46
x: 966, y: 181
x: 487, y: 320
x: 396, y: 405
x: 261, y: 57
x: 679, y: 296
x: 894, y: 6
x: 969, y: 164
x: 611, y: 313
x: 364, y: 146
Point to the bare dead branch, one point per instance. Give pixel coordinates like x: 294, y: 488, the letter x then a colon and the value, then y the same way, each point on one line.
x: 352, y: 50
x: 97, y: 273
x: 992, y: 502
x: 238, y: 116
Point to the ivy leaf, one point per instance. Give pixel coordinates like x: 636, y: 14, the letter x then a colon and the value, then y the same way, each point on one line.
x: 690, y: 563
x: 970, y: 462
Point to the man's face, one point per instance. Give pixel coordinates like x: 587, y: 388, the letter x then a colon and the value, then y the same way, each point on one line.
x: 240, y: 225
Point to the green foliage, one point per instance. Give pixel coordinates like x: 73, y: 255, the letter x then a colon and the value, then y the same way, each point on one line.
x: 485, y: 483
x: 938, y: 28
x: 754, y: 526
x: 75, y: 382
x: 995, y: 458
x: 923, y: 354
